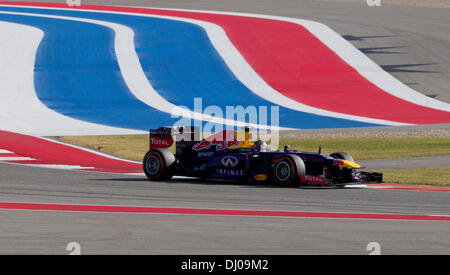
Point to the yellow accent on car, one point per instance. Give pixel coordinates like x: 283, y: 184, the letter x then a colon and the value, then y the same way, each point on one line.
x: 348, y: 163
x: 246, y: 143
x: 260, y: 177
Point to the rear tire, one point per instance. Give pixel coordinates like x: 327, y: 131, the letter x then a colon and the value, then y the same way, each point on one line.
x: 342, y: 155
x: 288, y: 170
x: 159, y: 164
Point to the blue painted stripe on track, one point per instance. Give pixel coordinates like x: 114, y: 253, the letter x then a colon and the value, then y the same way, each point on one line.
x: 77, y: 75
x: 181, y: 65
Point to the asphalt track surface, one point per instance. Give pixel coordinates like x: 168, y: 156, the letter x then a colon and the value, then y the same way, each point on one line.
x: 406, y: 163
x: 116, y: 233
x: 419, y: 39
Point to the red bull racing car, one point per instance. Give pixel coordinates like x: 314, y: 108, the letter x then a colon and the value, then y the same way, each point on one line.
x: 223, y: 156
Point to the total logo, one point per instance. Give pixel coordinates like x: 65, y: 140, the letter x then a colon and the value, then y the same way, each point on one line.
x: 316, y: 180
x: 230, y: 161
x: 160, y: 142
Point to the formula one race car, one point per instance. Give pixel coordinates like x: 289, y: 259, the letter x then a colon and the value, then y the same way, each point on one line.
x: 223, y: 156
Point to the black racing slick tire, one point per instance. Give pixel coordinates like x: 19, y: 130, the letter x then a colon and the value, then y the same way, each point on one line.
x: 342, y: 155
x: 159, y: 164
x: 288, y: 170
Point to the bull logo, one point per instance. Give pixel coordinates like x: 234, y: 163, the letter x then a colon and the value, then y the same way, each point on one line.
x: 220, y: 144
x: 230, y: 161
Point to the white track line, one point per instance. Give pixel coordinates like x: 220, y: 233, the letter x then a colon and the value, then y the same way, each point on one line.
x: 61, y: 166
x: 352, y: 56
x: 252, y: 80
x: 243, y: 71
x: 58, y: 167
x: 135, y: 77
x: 15, y: 158
x: 20, y: 108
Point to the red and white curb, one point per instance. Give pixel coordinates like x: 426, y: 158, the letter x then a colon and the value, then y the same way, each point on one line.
x: 6, y: 155
x: 46, y: 153
x: 11, y: 157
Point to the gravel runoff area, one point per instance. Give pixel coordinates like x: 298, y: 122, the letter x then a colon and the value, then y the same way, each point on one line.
x: 415, y: 3
x: 438, y: 130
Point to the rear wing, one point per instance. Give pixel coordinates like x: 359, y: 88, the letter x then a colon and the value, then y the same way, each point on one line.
x: 163, y: 136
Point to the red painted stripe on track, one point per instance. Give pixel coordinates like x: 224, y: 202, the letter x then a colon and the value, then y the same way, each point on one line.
x: 297, y: 64
x: 47, y: 152
x: 218, y: 212
x: 9, y: 155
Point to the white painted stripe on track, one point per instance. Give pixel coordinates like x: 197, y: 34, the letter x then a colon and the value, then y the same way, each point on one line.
x: 15, y: 158
x: 135, y: 77
x: 6, y: 152
x: 245, y: 73
x: 57, y: 166
x: 133, y: 174
x: 364, y: 65
x: 61, y: 166
x: 20, y: 108
x: 240, y: 67
x: 352, y: 56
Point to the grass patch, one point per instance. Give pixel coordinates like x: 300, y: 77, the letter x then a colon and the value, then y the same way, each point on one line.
x: 127, y: 147
x: 422, y: 176
x: 364, y: 148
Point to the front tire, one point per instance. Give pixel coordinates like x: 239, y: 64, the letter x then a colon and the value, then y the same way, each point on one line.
x: 287, y: 171
x: 159, y: 164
